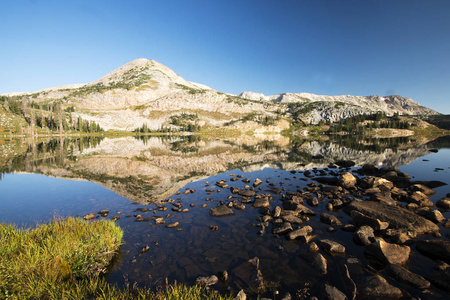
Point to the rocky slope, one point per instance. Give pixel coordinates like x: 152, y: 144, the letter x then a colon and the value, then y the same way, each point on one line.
x: 145, y: 91
x: 332, y: 108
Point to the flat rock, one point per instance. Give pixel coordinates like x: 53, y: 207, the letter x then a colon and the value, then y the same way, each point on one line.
x: 247, y: 193
x: 361, y: 219
x: 326, y: 180
x: 301, y: 232
x: 207, y: 281
x: 345, y: 163
x: 173, y: 225
x: 89, y: 216
x: 434, y: 215
x: 402, y: 274
x: 221, y: 211
x: 281, y: 228
x: 261, y: 202
x: 377, y: 287
x: 333, y: 293
x: 347, y: 180
x: 444, y: 203
x: 330, y: 219
x: 364, y: 235
x: 388, y: 253
x: 331, y: 247
x: 292, y: 219
x: 422, y: 188
x: 397, y: 217
x: 319, y: 262
x: 436, y: 249
x: 349, y: 284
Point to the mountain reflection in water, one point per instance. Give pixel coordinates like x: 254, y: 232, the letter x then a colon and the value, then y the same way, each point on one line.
x: 148, y: 169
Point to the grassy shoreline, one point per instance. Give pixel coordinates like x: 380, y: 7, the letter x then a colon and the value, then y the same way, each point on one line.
x: 66, y: 259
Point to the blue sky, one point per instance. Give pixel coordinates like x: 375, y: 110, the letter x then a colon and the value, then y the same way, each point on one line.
x: 373, y: 47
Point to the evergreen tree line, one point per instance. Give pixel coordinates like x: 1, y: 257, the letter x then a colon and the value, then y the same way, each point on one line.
x: 379, y: 120
x: 166, y: 129
x: 48, y: 115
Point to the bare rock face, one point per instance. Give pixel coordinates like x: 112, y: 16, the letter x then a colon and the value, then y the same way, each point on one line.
x: 388, y: 253
x: 397, y: 217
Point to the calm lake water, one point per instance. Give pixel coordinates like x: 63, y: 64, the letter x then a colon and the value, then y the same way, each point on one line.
x: 130, y: 177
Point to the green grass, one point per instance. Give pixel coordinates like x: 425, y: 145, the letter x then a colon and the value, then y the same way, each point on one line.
x: 63, y: 260
x: 38, y: 263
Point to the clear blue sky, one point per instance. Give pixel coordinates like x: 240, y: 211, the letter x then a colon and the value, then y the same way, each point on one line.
x: 360, y: 47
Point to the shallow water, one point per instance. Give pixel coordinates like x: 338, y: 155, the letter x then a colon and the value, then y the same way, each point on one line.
x: 192, y: 249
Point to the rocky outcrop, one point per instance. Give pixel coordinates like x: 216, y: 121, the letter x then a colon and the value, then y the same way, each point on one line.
x: 397, y: 217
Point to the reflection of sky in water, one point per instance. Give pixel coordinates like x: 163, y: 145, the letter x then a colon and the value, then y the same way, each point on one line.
x: 426, y: 168
x: 27, y: 199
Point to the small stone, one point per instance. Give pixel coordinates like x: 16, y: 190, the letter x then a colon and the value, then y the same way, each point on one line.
x: 257, y: 182
x: 333, y: 293
x: 89, y: 216
x: 241, y: 295
x: 364, y: 235
x: 331, y: 247
x: 207, y: 281
x: 173, y: 225
x: 282, y: 228
x: 347, y: 180
x: 330, y: 219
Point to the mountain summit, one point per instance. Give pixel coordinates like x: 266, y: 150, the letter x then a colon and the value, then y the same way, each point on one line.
x: 145, y: 91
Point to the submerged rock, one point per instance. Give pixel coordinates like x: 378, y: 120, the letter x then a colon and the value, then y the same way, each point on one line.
x: 221, y: 211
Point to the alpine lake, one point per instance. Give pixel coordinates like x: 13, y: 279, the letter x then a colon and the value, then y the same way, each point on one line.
x: 163, y: 192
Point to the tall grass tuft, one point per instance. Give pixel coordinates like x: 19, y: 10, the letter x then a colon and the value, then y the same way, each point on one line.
x: 52, y: 259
